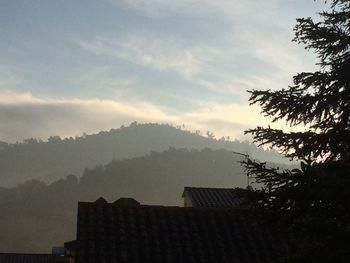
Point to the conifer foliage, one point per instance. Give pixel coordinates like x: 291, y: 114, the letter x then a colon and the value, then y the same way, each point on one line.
x: 315, y: 199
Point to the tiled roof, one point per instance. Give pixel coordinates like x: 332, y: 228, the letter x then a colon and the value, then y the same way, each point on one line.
x: 214, y: 197
x: 31, y: 258
x: 107, y: 232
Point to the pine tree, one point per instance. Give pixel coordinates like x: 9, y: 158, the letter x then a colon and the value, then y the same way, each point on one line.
x: 315, y: 199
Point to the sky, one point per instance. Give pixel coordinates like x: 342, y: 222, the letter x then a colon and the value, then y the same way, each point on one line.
x: 74, y: 66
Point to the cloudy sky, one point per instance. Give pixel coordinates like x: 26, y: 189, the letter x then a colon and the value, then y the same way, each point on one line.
x: 74, y: 66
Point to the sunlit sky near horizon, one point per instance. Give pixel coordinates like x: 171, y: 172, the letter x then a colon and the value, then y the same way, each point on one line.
x: 74, y: 66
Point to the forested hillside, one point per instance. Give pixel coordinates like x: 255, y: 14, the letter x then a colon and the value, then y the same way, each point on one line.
x: 51, y: 160
x: 34, y: 216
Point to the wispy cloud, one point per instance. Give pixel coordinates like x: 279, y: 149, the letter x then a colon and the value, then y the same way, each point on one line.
x: 188, y: 7
x: 104, y: 80
x: 249, y: 42
x: 251, y: 32
x: 278, y: 52
x: 139, y: 54
x: 160, y: 53
x: 246, y: 13
x: 205, y: 65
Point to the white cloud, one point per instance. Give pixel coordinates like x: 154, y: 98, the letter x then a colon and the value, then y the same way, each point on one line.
x: 23, y: 115
x: 9, y: 97
x: 224, y: 119
x: 240, y: 33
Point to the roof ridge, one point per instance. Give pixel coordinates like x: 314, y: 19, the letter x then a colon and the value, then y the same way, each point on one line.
x: 214, y: 188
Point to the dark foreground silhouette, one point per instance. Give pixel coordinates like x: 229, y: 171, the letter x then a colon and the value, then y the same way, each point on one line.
x: 35, y: 216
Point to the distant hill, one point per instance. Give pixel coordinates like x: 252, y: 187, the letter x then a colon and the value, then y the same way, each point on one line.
x: 35, y: 216
x: 51, y: 160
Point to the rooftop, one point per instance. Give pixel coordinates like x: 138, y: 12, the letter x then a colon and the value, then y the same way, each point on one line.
x: 108, y: 232
x: 31, y: 258
x: 213, y: 197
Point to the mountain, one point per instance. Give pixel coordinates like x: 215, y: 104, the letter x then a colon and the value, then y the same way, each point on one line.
x: 53, y: 159
x: 35, y: 216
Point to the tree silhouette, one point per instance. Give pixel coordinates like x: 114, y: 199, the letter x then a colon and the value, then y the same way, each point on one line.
x: 315, y: 199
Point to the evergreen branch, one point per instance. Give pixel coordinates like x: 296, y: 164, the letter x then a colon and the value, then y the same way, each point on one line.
x: 334, y: 144
x: 298, y: 105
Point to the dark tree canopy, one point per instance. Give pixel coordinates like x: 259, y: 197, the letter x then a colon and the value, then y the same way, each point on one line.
x: 316, y: 197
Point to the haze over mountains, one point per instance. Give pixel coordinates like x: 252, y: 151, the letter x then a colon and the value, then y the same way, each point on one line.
x: 56, y: 158
x: 149, y: 162
x: 34, y: 216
